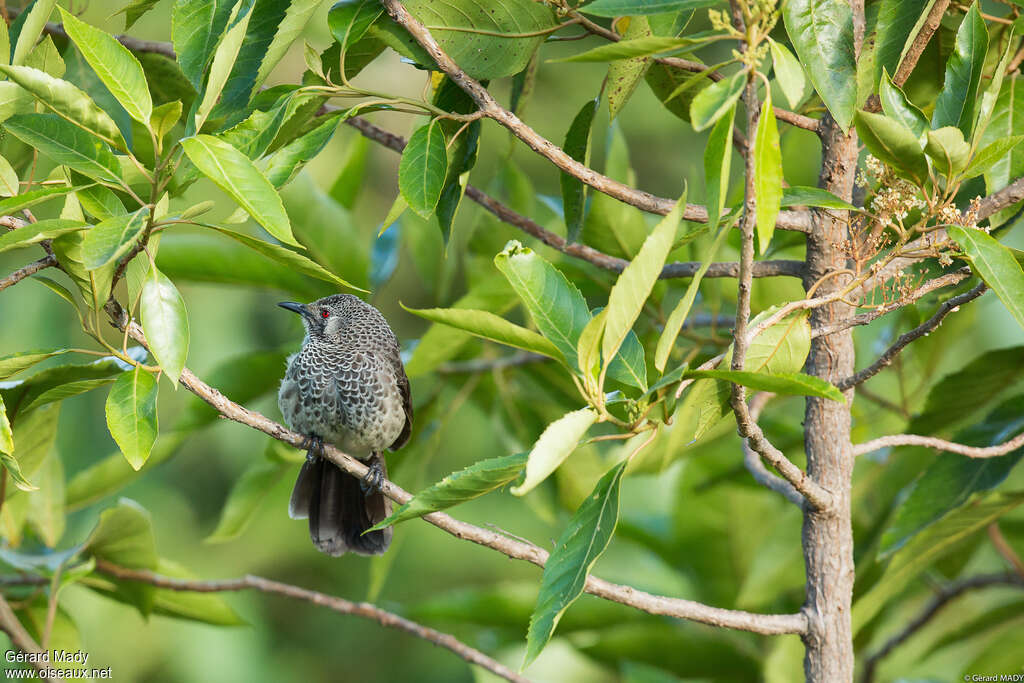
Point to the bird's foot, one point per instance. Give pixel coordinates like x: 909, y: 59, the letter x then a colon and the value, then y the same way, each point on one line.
x: 313, y: 445
x: 373, y: 482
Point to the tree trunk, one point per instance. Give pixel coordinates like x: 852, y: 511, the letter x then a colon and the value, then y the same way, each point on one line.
x: 827, y: 534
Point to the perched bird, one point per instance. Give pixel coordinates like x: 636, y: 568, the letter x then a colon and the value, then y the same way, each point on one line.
x: 345, y: 387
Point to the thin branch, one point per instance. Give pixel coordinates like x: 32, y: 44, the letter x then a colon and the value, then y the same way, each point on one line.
x: 774, y: 268
x: 755, y: 466
x: 941, y: 599
x: 340, y: 605
x: 1003, y: 547
x: 17, y: 276
x: 489, y: 364
x: 788, y: 220
x: 921, y: 330
x: 20, y: 638
x: 768, y: 624
x: 940, y: 444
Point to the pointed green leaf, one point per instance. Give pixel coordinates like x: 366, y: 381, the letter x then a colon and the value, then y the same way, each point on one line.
x: 165, y: 323
x: 196, y: 28
x: 629, y: 365
x: 63, y: 391
x: 958, y: 100
x: 31, y: 198
x: 990, y: 96
x: 800, y: 195
x: 822, y: 34
x: 714, y: 101
x: 34, y: 233
x: 996, y: 265
x: 224, y: 58
x: 556, y: 444
x: 234, y: 173
x: 31, y: 27
x: 788, y: 73
x: 16, y: 362
x: 423, y: 167
x: 244, y: 499
x: 992, y: 154
x: 574, y: 191
x: 899, y: 21
x: 124, y: 536
x: 66, y: 143
x: 634, y: 285
x: 767, y: 174
x: 349, y: 19
x: 949, y: 151
x: 283, y: 164
x: 717, y: 163
x: 114, y: 64
x: 67, y: 101
x: 624, y: 75
x: 565, y: 573
x: 131, y: 415
x: 894, y: 144
x: 46, y: 506
x: 618, y: 8
x: 896, y: 106
x: 792, y: 383
x: 165, y: 117
x: 112, y: 238
x: 6, y: 435
x: 647, y: 46
x: 588, y: 346
x: 468, y: 483
x: 490, y: 326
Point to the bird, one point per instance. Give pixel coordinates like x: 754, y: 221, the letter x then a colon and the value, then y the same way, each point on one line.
x: 347, y: 387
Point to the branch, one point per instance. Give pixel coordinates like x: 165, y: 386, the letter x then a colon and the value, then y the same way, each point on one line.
x: 941, y: 599
x: 489, y: 364
x: 17, y: 276
x: 776, y: 268
x: 20, y: 638
x: 788, y: 220
x: 921, y: 330
x: 340, y: 605
x: 1003, y: 547
x: 768, y: 624
x: 752, y: 460
x: 940, y: 444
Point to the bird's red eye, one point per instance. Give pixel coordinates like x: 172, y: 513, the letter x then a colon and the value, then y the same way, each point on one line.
x: 325, y: 315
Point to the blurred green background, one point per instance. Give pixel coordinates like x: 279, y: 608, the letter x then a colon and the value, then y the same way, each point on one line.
x: 700, y: 529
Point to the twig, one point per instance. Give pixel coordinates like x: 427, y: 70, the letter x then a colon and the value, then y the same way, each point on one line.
x: 921, y: 330
x: 941, y: 599
x: 488, y: 364
x: 340, y: 605
x: 792, y: 220
x: 768, y: 624
x: 755, y: 466
x: 17, y: 276
x: 940, y: 444
x: 21, y: 639
x: 1002, y: 546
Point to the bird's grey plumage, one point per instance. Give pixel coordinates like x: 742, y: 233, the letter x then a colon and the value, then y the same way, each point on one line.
x: 347, y: 387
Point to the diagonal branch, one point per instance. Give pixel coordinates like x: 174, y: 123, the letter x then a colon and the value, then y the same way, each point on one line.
x: 752, y: 460
x: 17, y: 276
x: 768, y: 624
x: 788, y: 220
x: 340, y: 605
x: 20, y: 638
x: 941, y: 444
x: 905, y: 339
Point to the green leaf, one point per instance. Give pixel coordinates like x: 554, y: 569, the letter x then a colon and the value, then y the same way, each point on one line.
x: 1007, y: 121
x: 465, y: 32
x: 63, y: 391
x: 952, y: 479
x: 284, y: 33
x: 283, y: 164
x: 20, y: 395
x: 490, y: 326
x: 244, y: 499
x: 896, y: 106
x: 134, y: 10
x: 556, y: 306
x: 928, y: 546
x: 196, y: 28
x: 555, y: 444
x: 648, y: 46
x: 711, y: 103
x: 165, y: 117
x: 205, y: 608
x: 822, y: 34
x: 990, y: 96
x: 165, y: 323
x: 46, y: 506
x: 423, y: 167
x: 234, y: 173
x: 349, y: 19
x: 124, y: 536
x: 285, y: 256
x: 66, y: 143
x: 676, y: 319
x: 574, y: 191
x: 899, y: 21
x: 958, y: 98
x: 8, y: 178
x: 468, y: 483
x: 629, y: 365
x: 717, y: 163
x: 31, y: 27
x: 996, y: 265
x: 224, y: 58
x: 634, y: 285
x: 31, y: 198
x: 949, y: 151
x: 991, y: 155
x: 67, y: 101
x: 676, y: 88
x: 131, y: 415
x: 788, y: 73
x: 565, y: 573
x: 617, y: 8
x: 6, y: 435
x: 894, y: 144
x: 112, y: 238
x: 792, y: 383
x: 767, y: 173
x: 34, y: 233
x: 625, y: 74
x: 114, y: 64
x: 801, y: 195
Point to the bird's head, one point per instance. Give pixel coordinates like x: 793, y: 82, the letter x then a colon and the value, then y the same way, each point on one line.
x: 328, y: 317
